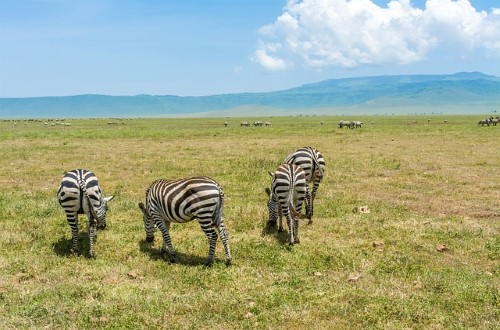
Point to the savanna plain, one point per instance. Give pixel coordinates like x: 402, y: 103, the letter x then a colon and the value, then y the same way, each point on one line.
x: 426, y: 256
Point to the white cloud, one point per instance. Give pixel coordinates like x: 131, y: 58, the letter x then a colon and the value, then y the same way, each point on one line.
x: 263, y: 57
x: 349, y: 34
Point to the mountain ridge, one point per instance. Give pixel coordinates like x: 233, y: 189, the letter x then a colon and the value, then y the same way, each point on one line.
x: 469, y: 92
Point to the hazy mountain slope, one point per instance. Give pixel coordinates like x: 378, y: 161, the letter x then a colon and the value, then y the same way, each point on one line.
x: 474, y: 91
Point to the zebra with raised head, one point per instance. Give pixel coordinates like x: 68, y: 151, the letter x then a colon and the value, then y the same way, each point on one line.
x: 181, y: 201
x: 80, y: 193
x: 286, y: 196
x: 313, y: 163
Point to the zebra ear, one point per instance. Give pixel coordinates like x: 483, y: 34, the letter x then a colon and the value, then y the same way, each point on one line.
x: 107, y: 199
x: 141, y: 206
x: 270, y: 173
x: 268, y: 191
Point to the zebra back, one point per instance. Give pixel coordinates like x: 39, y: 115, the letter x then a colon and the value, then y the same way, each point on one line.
x: 185, y: 199
x: 85, y: 195
x: 79, y: 185
x: 311, y: 161
x: 288, y: 185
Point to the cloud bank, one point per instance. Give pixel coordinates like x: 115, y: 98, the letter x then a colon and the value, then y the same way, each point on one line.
x: 354, y: 33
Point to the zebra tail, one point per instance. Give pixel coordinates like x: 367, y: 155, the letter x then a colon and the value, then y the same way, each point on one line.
x: 83, y: 187
x: 218, y: 210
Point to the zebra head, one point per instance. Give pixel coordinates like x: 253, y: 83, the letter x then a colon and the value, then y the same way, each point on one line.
x: 149, y: 225
x: 272, y: 205
x: 100, y: 213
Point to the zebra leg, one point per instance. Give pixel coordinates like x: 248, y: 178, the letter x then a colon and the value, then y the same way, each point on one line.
x: 164, y: 227
x: 296, y: 229
x: 92, y: 235
x: 289, y: 222
x: 225, y: 241
x: 309, y: 206
x: 212, y: 241
x: 72, y: 218
x: 280, y: 220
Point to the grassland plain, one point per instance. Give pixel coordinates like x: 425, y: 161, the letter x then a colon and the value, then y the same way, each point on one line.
x: 426, y: 256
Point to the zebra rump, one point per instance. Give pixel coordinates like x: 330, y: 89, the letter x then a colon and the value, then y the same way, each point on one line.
x: 182, y: 201
x: 80, y: 193
x: 286, y: 196
x: 313, y: 163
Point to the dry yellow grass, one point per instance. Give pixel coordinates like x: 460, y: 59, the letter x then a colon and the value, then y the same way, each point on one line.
x: 426, y: 256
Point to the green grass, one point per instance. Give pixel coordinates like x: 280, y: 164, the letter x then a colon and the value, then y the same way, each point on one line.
x: 428, y: 184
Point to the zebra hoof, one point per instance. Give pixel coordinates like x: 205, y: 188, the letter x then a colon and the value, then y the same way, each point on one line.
x: 271, y: 223
x: 150, y: 239
x: 228, y: 262
x: 209, y: 263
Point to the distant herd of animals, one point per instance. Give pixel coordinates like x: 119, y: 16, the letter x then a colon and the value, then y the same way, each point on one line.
x: 199, y: 198
x: 489, y: 121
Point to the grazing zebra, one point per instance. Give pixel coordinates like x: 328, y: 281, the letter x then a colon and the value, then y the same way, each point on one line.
x: 483, y: 122
x: 313, y: 163
x: 79, y: 193
x: 345, y: 123
x: 287, y: 193
x: 356, y: 124
x: 181, y: 201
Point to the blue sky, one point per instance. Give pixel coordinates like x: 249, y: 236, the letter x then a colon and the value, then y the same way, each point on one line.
x: 128, y: 47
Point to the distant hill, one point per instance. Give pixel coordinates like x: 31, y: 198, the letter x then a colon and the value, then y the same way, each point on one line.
x: 464, y: 92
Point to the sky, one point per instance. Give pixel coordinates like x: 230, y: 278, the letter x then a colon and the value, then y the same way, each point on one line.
x: 207, y: 47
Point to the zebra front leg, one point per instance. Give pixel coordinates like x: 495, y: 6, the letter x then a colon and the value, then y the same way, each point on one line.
x: 164, y: 227
x: 225, y: 241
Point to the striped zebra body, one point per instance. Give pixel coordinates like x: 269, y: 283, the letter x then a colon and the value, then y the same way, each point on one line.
x: 313, y: 163
x: 181, y: 201
x: 80, y: 193
x: 286, y: 196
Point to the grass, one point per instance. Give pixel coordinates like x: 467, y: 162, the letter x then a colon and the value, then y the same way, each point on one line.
x: 426, y: 256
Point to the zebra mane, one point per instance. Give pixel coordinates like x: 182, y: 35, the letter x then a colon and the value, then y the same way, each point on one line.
x: 83, y: 187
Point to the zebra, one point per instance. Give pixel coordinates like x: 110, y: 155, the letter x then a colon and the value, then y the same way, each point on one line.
x: 182, y: 201
x: 356, y: 124
x: 313, y: 163
x: 286, y: 196
x: 80, y: 193
x: 345, y: 123
x: 483, y: 122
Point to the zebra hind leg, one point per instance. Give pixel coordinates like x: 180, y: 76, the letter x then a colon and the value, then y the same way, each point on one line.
x: 280, y: 220
x: 212, y: 241
x: 225, y: 241
x: 290, y: 223
x: 309, y: 206
x: 73, y: 223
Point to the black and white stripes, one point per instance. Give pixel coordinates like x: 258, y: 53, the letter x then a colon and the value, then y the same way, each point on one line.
x: 313, y: 163
x: 181, y: 201
x: 79, y: 193
x: 287, y: 193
